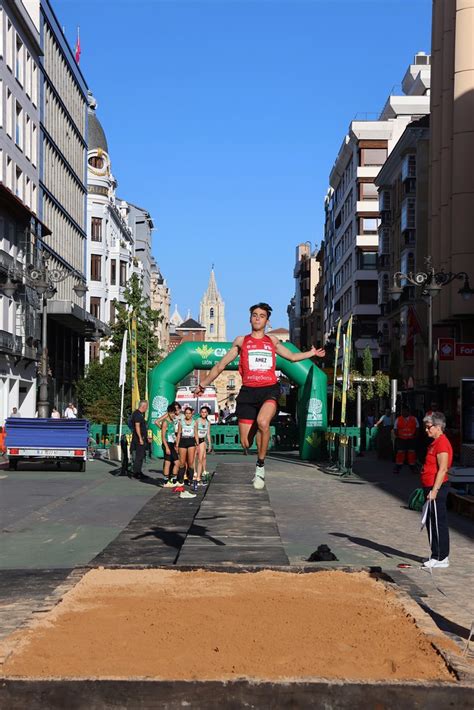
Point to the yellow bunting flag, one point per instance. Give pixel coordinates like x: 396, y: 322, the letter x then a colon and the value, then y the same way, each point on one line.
x: 346, y: 367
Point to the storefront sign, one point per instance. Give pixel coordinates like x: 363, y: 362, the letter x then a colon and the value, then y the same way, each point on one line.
x: 446, y: 348
x: 465, y: 349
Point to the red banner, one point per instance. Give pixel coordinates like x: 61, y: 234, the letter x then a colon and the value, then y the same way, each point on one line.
x: 446, y: 348
x: 465, y: 349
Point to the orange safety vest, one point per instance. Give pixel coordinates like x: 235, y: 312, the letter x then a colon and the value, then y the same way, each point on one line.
x: 3, y: 437
x: 406, y: 428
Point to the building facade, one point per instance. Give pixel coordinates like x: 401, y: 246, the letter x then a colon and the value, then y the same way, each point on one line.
x: 403, y: 236
x: 20, y: 228
x: 160, y: 301
x: 352, y: 215
x: 306, y: 275
x: 110, y: 241
x: 451, y: 202
x: 63, y: 202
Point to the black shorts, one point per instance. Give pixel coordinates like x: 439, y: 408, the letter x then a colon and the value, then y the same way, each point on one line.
x: 251, y: 399
x: 186, y: 442
x: 202, y: 441
x: 173, y: 454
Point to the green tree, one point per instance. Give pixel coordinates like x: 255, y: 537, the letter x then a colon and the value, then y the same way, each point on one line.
x: 367, y: 371
x: 98, y: 391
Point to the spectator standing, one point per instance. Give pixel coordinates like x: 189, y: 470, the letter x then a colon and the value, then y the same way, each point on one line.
x: 139, y: 438
x: 406, y: 432
x: 70, y: 412
x: 434, y: 479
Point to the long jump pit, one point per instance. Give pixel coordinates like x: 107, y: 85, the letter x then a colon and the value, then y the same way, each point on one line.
x: 152, y: 638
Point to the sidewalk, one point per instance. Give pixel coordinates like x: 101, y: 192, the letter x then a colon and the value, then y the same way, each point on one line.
x: 365, y: 520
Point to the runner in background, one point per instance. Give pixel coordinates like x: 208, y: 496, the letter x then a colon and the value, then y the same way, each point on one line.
x: 186, y: 442
x: 170, y: 466
x: 258, y: 396
x: 203, y: 432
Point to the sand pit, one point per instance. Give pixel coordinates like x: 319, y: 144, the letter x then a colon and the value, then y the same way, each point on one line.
x: 164, y: 624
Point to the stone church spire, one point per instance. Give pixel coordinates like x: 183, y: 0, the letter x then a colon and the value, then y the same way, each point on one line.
x: 212, y: 311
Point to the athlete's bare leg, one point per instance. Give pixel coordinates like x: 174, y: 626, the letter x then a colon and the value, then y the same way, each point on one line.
x: 265, y: 416
x: 247, y: 431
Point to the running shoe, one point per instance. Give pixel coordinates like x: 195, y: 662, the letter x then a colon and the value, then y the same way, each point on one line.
x: 187, y: 494
x: 429, y: 564
x: 179, y: 488
x: 195, y: 485
x: 259, y: 478
x: 170, y: 484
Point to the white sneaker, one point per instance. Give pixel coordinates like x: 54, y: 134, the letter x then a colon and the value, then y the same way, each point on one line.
x: 187, y: 494
x: 259, y: 478
x: 429, y: 564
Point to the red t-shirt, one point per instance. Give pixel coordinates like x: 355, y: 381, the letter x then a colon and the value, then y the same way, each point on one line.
x: 430, y: 467
x: 257, y: 362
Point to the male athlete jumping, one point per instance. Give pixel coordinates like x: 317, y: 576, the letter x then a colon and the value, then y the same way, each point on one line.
x: 258, y: 396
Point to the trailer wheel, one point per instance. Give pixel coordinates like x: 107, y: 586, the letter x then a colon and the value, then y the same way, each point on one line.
x: 82, y: 466
x: 12, y: 464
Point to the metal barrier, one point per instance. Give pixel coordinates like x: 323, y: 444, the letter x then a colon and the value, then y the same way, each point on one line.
x: 225, y: 437
x: 344, y: 443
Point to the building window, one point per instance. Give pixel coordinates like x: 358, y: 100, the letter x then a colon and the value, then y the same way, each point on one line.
x: 94, y: 351
x: 373, y: 156
x: 367, y: 260
x: 211, y: 328
x: 113, y: 272
x: 95, y: 307
x: 19, y: 74
x: 123, y: 273
x: 96, y: 229
x: 211, y: 313
x: 112, y: 312
x: 96, y: 267
x: 19, y: 183
x: 368, y: 191
x: 9, y: 121
x: 96, y: 161
x: 19, y: 126
x: 369, y: 225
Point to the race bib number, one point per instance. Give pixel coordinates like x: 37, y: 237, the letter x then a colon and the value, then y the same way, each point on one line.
x: 260, y: 360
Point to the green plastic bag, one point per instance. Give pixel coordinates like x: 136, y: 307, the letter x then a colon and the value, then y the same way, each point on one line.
x: 416, y: 500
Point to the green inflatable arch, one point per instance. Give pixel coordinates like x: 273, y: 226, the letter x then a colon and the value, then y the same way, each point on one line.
x: 311, y: 381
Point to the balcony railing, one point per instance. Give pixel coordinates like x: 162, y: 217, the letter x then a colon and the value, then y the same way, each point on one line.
x: 10, y: 343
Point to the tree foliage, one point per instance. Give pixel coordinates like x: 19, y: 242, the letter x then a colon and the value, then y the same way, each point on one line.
x: 98, y: 391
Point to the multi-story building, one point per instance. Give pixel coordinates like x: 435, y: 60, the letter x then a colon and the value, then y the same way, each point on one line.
x: 20, y: 228
x: 160, y: 301
x: 316, y: 320
x: 451, y: 216
x: 110, y: 242
x: 63, y: 202
x: 141, y: 224
x: 352, y: 210
x: 403, y: 234
x: 306, y: 275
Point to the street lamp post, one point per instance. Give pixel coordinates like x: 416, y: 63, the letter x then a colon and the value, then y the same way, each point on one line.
x: 42, y: 279
x: 431, y: 282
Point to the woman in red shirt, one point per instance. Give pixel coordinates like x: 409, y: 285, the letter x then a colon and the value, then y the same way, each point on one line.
x: 434, y: 479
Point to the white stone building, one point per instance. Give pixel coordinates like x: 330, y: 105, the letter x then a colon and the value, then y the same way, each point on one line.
x: 212, y: 311
x: 353, y: 214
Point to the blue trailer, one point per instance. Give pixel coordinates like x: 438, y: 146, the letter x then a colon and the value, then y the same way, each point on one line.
x: 53, y: 440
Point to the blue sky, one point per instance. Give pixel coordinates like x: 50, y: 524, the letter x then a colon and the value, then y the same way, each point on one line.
x: 224, y: 117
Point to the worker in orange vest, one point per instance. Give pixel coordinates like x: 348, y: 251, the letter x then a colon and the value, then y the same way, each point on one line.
x: 406, y: 432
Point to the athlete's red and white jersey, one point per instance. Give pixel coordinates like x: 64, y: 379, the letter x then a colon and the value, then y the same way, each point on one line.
x: 257, y: 362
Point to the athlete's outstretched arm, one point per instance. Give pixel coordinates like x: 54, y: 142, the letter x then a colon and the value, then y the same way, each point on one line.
x: 221, y: 365
x: 296, y: 357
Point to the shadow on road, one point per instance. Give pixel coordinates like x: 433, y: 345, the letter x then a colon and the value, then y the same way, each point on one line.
x: 384, y: 549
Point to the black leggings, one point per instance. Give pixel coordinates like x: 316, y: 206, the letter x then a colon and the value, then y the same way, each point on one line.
x: 439, y: 534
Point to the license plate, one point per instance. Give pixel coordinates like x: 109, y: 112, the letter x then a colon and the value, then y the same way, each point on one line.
x: 47, y: 453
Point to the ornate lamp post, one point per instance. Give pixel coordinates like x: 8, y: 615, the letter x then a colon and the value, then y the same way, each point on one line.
x: 431, y: 282
x: 43, y: 280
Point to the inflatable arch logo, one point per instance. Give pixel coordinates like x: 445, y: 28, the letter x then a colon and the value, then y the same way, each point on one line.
x: 311, y: 382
